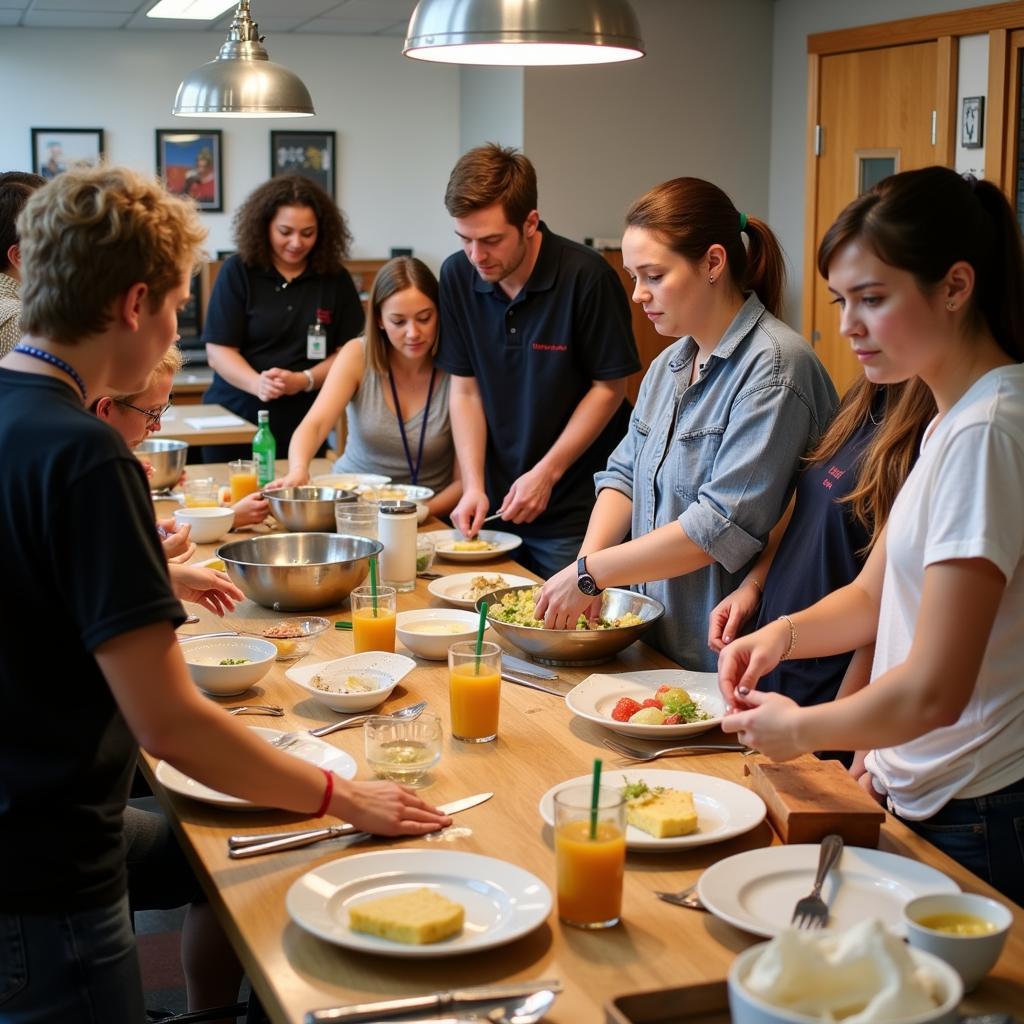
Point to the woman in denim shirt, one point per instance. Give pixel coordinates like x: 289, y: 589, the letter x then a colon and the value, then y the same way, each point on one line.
x: 723, y: 418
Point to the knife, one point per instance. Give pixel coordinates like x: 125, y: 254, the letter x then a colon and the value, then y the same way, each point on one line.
x: 271, y: 842
x: 526, y: 668
x: 457, y: 1001
x: 518, y: 680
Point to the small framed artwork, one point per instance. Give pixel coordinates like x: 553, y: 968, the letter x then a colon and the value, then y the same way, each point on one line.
x: 56, y: 149
x: 190, y: 164
x: 972, y: 123
x: 310, y: 154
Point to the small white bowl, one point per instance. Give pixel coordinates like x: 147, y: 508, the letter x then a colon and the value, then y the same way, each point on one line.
x: 203, y: 655
x: 208, y: 524
x: 747, y: 1008
x: 971, y: 956
x: 434, y: 646
x: 391, y: 666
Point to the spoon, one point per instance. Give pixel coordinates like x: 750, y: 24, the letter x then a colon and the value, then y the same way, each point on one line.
x: 257, y: 709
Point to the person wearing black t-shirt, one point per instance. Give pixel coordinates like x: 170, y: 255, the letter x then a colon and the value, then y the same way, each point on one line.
x: 537, y: 336
x: 281, y: 308
x: 90, y: 667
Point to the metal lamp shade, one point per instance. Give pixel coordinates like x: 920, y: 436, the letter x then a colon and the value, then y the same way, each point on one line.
x: 524, y: 32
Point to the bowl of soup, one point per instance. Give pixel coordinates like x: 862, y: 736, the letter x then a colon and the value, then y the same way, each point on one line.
x: 429, y: 632
x: 227, y: 665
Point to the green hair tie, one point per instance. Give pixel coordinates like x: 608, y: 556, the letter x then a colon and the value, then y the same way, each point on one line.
x: 743, y: 222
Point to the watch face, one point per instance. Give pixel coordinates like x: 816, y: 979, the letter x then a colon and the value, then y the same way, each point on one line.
x: 587, y: 586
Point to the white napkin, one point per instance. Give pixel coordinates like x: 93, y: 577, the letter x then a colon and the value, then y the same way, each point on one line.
x: 213, y: 422
x: 862, y: 976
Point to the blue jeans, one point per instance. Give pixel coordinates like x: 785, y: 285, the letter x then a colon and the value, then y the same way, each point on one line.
x: 547, y: 555
x: 985, y: 834
x: 78, y: 967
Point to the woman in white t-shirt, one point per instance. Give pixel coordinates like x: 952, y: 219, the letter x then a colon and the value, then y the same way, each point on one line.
x: 928, y: 273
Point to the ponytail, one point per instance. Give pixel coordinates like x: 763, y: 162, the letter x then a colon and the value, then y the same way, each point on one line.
x: 766, y: 266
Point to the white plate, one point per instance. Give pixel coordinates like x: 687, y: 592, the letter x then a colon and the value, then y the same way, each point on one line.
x: 348, y: 481
x: 757, y: 890
x: 395, y: 666
x: 451, y: 588
x: 443, y: 540
x: 310, y: 749
x: 596, y: 696
x: 724, y: 809
x: 502, y: 901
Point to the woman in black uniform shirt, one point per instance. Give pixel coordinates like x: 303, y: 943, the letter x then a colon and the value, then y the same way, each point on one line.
x: 281, y: 308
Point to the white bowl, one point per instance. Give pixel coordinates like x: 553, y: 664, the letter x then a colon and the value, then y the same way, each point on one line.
x: 747, y: 1008
x: 434, y: 646
x: 393, y: 667
x: 203, y: 654
x: 971, y: 956
x: 208, y: 524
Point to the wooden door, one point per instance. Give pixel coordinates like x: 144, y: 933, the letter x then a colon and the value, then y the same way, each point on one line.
x: 875, y: 109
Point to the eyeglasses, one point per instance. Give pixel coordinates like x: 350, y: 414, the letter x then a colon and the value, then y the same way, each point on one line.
x: 153, y: 416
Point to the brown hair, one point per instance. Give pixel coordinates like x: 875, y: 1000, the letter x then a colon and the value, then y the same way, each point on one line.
x: 926, y: 220
x: 395, y: 276
x: 13, y: 197
x: 883, y: 467
x: 492, y: 174
x: 91, y: 234
x: 253, y: 217
x: 170, y: 363
x: 690, y: 215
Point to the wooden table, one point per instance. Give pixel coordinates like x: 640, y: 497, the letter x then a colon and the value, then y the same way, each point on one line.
x: 174, y: 425
x: 539, y: 744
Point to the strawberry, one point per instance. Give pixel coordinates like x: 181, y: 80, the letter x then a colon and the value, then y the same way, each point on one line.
x: 625, y: 709
x: 651, y: 702
x: 673, y: 719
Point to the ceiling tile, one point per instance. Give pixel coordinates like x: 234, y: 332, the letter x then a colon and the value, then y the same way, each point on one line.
x: 73, y: 19
x: 87, y: 6
x: 341, y: 26
x: 9, y: 17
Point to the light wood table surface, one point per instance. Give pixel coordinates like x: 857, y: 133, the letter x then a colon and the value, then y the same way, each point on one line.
x: 174, y: 425
x: 539, y: 744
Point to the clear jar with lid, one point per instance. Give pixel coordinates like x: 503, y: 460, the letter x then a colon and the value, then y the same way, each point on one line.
x: 396, y: 530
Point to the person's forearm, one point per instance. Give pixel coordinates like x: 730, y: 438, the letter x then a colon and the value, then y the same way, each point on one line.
x: 230, y: 364
x: 844, y: 620
x: 469, y: 432
x: 609, y: 522
x: 587, y: 421
x: 446, y: 499
x: 662, y: 554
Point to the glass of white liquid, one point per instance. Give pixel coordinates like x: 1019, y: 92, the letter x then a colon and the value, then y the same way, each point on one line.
x: 403, y: 751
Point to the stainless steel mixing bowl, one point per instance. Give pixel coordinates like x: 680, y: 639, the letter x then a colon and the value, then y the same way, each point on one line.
x: 299, y: 571
x: 167, y: 459
x: 307, y: 509
x: 580, y: 646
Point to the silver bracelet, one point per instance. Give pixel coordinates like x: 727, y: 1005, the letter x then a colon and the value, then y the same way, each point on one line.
x: 310, y: 382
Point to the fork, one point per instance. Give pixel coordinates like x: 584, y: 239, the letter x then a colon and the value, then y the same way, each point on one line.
x: 684, y: 898
x: 257, y: 709
x: 289, y: 739
x: 812, y: 911
x: 635, y: 754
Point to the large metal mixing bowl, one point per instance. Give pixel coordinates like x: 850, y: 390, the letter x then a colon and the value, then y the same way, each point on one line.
x: 167, y: 459
x: 580, y: 646
x: 299, y: 571
x: 307, y: 509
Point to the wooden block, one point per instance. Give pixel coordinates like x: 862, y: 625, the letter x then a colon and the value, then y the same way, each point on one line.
x: 808, y: 799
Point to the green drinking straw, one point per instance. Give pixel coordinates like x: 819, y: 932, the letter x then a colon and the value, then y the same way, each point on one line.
x: 481, y: 627
x: 373, y: 585
x: 595, y: 792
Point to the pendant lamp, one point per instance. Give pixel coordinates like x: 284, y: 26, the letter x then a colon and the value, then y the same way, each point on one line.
x: 523, y: 32
x: 241, y: 81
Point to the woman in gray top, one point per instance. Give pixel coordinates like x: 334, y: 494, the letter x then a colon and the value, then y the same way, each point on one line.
x: 395, y: 399
x: 723, y: 418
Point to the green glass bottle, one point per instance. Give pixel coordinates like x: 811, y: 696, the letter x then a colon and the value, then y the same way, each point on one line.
x: 264, y: 449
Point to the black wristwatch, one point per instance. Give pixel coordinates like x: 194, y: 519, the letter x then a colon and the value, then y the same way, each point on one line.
x: 586, y: 582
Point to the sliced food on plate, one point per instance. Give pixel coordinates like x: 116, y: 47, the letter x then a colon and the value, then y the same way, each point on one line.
x: 464, y: 589
x: 455, y: 546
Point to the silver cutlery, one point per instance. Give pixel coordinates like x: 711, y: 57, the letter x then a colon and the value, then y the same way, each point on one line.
x: 407, y: 713
x: 271, y: 842
x: 526, y: 668
x: 516, y: 1003
x: 530, y: 684
x: 812, y: 911
x: 684, y: 898
x: 257, y: 709
x: 636, y: 754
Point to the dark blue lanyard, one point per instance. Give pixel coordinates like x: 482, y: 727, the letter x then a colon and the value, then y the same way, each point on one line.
x: 414, y: 471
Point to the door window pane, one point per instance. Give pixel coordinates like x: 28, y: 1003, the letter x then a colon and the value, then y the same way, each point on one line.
x: 872, y: 169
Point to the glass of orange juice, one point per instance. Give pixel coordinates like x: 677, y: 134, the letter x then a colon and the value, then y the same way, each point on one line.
x: 242, y: 479
x: 474, y: 685
x: 590, y: 856
x: 373, y: 619
x: 200, y: 492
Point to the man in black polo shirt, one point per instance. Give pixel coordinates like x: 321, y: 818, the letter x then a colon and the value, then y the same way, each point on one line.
x: 536, y: 334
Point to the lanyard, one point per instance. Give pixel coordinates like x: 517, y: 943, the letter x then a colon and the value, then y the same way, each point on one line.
x: 414, y: 470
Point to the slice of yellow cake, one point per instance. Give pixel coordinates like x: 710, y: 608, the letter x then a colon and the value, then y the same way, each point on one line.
x: 663, y: 812
x: 416, y: 917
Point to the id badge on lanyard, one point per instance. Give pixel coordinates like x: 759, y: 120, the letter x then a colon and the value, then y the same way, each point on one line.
x: 316, y: 342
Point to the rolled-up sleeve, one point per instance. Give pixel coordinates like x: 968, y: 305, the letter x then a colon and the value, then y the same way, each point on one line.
x: 618, y: 474
x: 768, y: 431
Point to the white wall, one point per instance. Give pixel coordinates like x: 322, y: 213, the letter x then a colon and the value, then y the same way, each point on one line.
x: 794, y: 21
x: 397, y: 120
x: 972, y: 80
x: 698, y: 104
x: 490, y: 107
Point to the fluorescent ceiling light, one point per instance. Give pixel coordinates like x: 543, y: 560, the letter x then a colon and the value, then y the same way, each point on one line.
x: 194, y: 10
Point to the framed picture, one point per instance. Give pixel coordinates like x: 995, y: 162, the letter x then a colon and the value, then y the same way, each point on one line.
x: 972, y: 122
x: 310, y: 154
x: 190, y: 164
x: 56, y: 149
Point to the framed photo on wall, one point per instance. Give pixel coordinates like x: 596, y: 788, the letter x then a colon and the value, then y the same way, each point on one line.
x: 310, y: 154
x: 190, y: 164
x: 972, y: 122
x: 56, y: 149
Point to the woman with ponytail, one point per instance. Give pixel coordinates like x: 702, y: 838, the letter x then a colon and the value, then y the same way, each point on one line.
x: 928, y: 272
x: 724, y: 416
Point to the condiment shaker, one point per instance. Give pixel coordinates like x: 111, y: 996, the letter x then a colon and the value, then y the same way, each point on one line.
x: 396, y: 530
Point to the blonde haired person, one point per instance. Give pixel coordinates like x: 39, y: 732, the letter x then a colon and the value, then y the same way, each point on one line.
x: 107, y: 257
x: 395, y: 399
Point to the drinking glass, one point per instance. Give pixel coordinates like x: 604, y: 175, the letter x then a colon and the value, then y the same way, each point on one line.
x: 358, y: 518
x: 474, y: 686
x: 242, y: 477
x: 401, y: 750
x: 373, y: 619
x: 200, y: 492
